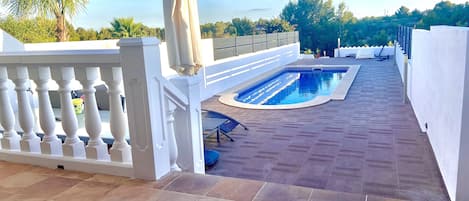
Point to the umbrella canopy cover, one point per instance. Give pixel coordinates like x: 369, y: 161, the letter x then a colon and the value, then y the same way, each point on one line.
x: 182, y: 34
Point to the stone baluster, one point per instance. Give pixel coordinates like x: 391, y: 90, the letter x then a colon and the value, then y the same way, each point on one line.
x: 11, y: 139
x: 120, y: 150
x: 72, y: 146
x: 173, y: 148
x: 50, y: 144
x: 96, y: 148
x: 30, y: 142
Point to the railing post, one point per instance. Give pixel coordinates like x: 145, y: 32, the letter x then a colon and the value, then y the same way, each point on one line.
x: 189, y: 125
x: 50, y: 144
x: 173, y: 148
x: 120, y: 150
x: 29, y: 142
x: 10, y: 139
x: 73, y: 146
x: 145, y: 107
x: 96, y: 148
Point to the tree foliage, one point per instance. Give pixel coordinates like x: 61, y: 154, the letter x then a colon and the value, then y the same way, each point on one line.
x: 46, y: 8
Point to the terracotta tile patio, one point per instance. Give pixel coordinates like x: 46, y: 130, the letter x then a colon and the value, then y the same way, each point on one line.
x: 30, y: 183
x: 369, y: 144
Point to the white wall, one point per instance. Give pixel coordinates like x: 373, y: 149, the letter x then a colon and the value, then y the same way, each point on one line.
x: 352, y: 51
x: 400, y: 61
x: 9, y: 44
x: 207, y: 56
x: 73, y: 45
x: 227, y: 73
x: 438, y: 88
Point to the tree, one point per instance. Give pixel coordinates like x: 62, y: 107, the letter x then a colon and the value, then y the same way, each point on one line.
x: 402, y: 12
x: 243, y: 26
x: 58, y: 8
x: 29, y: 30
x: 126, y: 27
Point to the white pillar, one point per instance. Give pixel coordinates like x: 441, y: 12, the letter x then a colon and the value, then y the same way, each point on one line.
x: 50, y: 144
x: 145, y: 107
x: 96, y: 148
x: 188, y: 126
x: 73, y: 146
x: 11, y: 139
x: 30, y: 142
x: 173, y: 148
x: 120, y: 150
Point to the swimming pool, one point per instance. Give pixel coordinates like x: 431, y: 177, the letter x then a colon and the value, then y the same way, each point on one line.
x: 294, y: 87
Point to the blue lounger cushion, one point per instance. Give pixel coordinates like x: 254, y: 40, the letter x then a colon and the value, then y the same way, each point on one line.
x: 211, y: 157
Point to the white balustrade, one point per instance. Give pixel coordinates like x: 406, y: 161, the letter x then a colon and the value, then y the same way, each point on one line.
x: 30, y: 141
x: 50, y: 144
x: 173, y: 148
x: 96, y: 148
x: 73, y: 146
x: 120, y: 150
x: 162, y: 115
x: 11, y: 139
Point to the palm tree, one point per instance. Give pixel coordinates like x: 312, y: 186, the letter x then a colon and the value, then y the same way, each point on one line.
x: 60, y: 9
x: 126, y: 27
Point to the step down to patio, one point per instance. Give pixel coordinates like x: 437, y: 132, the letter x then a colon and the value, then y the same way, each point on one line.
x: 26, y: 182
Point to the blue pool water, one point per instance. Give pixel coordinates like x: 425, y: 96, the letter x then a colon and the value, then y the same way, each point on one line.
x: 292, y: 86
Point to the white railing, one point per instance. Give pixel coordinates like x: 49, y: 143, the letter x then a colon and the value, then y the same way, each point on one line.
x: 155, y: 108
x: 63, y: 67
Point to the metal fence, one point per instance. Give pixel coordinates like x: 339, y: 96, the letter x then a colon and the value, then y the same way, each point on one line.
x: 229, y: 47
x: 404, y: 37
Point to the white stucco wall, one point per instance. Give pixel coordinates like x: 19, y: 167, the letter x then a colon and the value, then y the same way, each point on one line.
x: 227, y: 73
x: 400, y: 61
x: 9, y: 44
x: 439, y: 96
x: 207, y: 56
x: 352, y: 51
x: 72, y: 45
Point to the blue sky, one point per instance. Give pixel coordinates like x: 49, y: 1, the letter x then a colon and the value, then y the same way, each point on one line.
x: 101, y: 12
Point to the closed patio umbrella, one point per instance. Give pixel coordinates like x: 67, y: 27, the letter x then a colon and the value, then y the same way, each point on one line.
x: 182, y: 34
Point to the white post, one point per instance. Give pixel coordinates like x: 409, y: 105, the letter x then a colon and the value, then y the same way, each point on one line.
x: 30, y: 142
x: 120, y: 150
x: 145, y: 107
x: 189, y: 126
x: 73, y: 146
x: 96, y: 148
x: 11, y: 139
x: 50, y: 144
x: 173, y: 148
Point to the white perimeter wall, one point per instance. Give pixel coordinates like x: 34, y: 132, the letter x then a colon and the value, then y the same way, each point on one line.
x: 227, y: 73
x: 439, y: 93
x: 73, y: 45
x: 9, y: 44
x: 352, y: 51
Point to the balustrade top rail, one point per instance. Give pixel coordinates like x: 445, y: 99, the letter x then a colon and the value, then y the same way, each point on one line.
x: 230, y: 47
x: 62, y: 57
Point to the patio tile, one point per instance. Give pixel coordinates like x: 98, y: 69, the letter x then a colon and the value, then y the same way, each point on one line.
x: 86, y: 190
x: 325, y: 195
x: 46, y: 189
x: 20, y: 180
x: 193, y: 184
x: 280, y: 192
x: 134, y: 193
x: 370, y: 139
x: 235, y: 189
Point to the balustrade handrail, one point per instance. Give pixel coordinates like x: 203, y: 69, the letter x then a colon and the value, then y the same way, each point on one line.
x: 174, y: 94
x: 88, y: 57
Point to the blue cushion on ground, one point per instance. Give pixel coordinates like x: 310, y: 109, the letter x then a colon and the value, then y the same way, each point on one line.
x: 211, y: 157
